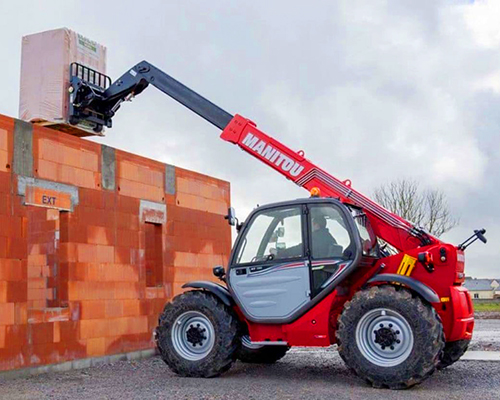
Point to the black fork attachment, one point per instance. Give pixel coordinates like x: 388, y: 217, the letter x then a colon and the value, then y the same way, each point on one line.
x: 85, y: 86
x: 94, y: 100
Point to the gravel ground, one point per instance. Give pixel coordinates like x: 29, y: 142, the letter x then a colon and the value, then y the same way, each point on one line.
x: 302, y: 374
x: 486, y: 336
x: 487, y: 315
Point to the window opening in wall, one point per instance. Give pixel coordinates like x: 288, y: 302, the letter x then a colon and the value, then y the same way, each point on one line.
x: 44, y: 275
x: 154, y: 255
x: 60, y: 281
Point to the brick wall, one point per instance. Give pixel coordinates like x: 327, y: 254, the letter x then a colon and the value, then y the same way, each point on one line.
x: 93, y: 242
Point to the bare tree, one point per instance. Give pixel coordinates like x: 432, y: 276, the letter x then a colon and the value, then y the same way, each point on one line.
x: 426, y: 208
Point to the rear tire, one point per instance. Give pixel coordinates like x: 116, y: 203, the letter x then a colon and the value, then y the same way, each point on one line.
x: 197, y: 335
x: 452, y: 353
x: 389, y: 337
x: 260, y: 354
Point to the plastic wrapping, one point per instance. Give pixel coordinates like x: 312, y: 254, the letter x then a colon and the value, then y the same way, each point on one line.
x: 45, y: 62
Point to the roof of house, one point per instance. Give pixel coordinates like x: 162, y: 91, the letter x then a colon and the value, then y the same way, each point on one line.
x: 479, y: 284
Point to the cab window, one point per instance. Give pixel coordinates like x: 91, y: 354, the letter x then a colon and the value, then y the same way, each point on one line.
x: 330, y: 237
x: 331, y: 244
x: 273, y: 235
x: 369, y: 243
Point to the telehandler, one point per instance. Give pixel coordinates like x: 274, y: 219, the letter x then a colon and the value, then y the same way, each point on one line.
x: 333, y: 268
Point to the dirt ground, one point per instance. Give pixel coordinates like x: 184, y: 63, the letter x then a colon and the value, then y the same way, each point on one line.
x: 301, y: 374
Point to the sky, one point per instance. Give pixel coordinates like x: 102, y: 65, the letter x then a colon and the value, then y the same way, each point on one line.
x: 371, y: 90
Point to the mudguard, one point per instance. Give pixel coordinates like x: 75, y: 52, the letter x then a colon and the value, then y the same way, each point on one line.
x: 422, y: 289
x: 220, y: 291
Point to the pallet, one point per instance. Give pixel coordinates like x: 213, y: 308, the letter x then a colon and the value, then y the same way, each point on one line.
x: 66, y: 128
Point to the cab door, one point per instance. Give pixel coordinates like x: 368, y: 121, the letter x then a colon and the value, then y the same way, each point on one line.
x: 269, y: 274
x: 333, y: 244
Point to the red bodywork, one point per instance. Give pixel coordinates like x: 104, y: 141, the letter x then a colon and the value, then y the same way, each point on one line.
x: 317, y: 326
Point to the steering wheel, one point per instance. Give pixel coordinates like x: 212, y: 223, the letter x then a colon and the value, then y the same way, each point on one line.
x: 269, y: 257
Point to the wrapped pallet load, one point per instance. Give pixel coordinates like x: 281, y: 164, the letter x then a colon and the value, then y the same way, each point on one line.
x: 45, y: 73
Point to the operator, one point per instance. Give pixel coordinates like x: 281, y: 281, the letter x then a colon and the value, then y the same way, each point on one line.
x: 321, y: 239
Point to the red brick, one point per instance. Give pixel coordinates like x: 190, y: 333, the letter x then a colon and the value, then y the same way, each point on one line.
x: 5, y: 202
x: 86, y: 253
x: 69, y: 331
x: 4, y: 140
x: 47, y: 170
x: 96, y: 347
x: 122, y: 255
x: 93, y: 328
x: 99, y: 235
x: 92, y: 198
x: 68, y: 252
x: 5, y: 182
x: 127, y: 238
x: 113, y: 308
x: 17, y: 291
x: 140, y: 190
x: 42, y: 332
x: 3, y: 330
x: 56, y: 332
x: 11, y: 270
x: 92, y: 309
x: 3, y: 247
x: 21, y: 313
x: 105, y: 254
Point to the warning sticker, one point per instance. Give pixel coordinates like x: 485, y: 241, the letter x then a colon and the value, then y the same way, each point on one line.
x: 407, y: 265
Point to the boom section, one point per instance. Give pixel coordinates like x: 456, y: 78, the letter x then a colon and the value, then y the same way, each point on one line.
x: 294, y: 166
x: 97, y: 104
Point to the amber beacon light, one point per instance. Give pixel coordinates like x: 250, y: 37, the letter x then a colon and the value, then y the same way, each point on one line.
x: 315, y: 192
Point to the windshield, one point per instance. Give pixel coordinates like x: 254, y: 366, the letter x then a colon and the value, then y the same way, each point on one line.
x: 272, y: 235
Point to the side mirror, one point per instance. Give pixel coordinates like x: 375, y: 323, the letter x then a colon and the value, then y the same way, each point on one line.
x: 219, y: 272
x: 231, y: 216
x: 480, y: 235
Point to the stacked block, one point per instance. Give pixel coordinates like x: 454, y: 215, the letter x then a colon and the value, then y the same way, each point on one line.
x: 93, y: 242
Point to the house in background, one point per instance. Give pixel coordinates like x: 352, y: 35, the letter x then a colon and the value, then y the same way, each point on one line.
x: 483, y: 288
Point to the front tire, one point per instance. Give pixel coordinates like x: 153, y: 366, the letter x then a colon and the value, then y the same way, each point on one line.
x: 389, y: 337
x: 197, y: 335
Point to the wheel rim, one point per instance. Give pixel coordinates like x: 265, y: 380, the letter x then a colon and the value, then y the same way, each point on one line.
x: 246, y: 342
x: 384, y: 337
x: 193, y: 335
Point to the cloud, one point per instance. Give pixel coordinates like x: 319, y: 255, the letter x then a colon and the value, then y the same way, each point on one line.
x: 370, y: 90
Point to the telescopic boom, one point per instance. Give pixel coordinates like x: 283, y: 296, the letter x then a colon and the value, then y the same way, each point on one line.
x: 94, y: 101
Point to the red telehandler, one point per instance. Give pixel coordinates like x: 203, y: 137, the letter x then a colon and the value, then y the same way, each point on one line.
x: 334, y: 268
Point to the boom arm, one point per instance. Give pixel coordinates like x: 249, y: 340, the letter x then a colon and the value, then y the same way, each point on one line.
x: 93, y: 104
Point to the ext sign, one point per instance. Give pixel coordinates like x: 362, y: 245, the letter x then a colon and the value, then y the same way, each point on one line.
x: 37, y: 196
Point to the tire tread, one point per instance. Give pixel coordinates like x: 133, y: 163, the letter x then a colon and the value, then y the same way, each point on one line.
x: 428, y: 325
x: 226, y: 344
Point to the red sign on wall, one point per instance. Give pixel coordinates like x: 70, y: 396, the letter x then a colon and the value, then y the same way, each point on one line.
x: 36, y: 196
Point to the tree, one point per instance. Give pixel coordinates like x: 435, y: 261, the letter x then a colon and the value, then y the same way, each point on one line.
x: 425, y: 208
